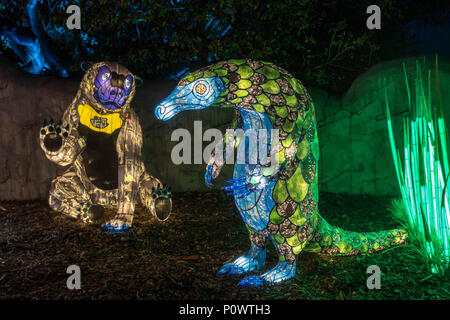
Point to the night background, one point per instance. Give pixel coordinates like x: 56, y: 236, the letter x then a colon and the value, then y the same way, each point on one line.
x: 324, y: 41
x: 325, y: 44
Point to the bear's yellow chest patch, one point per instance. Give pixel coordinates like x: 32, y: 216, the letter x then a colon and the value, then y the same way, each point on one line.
x: 107, y: 123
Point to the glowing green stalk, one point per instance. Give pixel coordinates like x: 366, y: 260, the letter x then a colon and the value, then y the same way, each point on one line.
x: 423, y: 181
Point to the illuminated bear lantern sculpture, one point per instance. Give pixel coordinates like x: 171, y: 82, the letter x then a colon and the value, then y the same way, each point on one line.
x: 99, y: 141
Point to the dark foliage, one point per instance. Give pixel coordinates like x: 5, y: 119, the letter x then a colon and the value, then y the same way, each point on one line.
x: 325, y: 43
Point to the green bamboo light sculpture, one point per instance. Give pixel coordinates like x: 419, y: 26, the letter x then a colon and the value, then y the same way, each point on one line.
x: 424, y: 174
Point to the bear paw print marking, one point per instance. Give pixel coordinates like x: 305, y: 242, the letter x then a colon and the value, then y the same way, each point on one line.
x: 53, y: 135
x: 163, y: 203
x: 161, y: 192
x: 83, y: 214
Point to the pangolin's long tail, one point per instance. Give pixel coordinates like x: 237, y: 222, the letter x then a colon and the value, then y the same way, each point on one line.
x: 332, y: 240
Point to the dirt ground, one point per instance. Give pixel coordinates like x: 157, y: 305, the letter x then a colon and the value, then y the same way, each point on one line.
x: 179, y: 258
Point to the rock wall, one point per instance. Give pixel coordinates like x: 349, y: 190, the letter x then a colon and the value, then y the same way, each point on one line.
x: 24, y: 102
x: 355, y: 151
x: 356, y: 155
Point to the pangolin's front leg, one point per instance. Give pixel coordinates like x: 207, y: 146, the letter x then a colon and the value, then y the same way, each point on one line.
x: 222, y: 151
x: 218, y: 158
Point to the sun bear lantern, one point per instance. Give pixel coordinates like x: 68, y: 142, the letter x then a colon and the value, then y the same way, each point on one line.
x: 99, y: 142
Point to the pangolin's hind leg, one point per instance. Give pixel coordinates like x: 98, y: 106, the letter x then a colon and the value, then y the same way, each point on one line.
x: 254, y: 259
x: 284, y: 270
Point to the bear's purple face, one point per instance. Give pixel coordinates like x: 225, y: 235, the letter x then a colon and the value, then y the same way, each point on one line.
x: 112, y: 88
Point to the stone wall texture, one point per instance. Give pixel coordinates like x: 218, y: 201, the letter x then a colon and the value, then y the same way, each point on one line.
x: 356, y: 155
x: 355, y: 151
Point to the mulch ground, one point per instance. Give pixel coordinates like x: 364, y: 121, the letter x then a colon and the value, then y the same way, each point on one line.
x: 179, y: 258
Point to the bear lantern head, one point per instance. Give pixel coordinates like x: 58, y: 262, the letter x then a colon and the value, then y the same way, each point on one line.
x: 109, y: 86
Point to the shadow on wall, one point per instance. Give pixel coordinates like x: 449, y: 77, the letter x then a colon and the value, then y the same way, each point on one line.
x: 355, y: 151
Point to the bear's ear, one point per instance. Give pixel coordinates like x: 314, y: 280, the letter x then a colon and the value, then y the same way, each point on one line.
x: 139, y: 81
x: 85, y: 65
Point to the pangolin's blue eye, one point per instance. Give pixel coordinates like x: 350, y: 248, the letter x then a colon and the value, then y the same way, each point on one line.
x: 105, y: 76
x: 127, y: 83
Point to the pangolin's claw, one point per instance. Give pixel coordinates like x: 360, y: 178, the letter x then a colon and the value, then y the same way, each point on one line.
x: 251, y: 282
x: 253, y: 260
x: 208, y: 177
x: 283, y: 271
x: 238, y: 187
